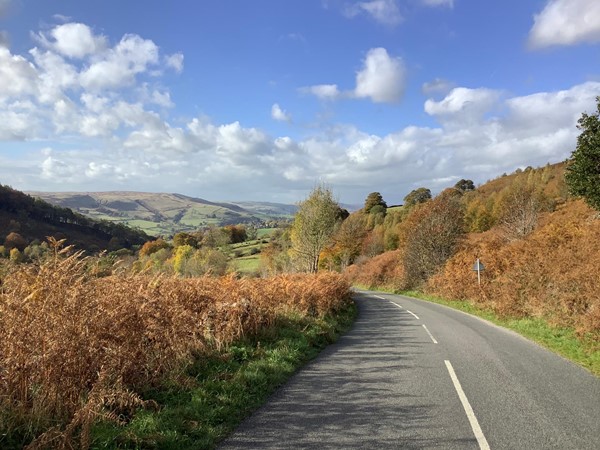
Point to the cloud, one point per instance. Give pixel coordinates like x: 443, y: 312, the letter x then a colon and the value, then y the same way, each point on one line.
x: 18, y: 77
x: 175, y: 62
x: 323, y: 91
x: 73, y: 40
x: 279, y: 114
x: 448, y: 3
x: 119, y: 66
x: 463, y: 106
x: 437, y: 86
x: 383, y: 11
x: 566, y: 22
x: 382, y: 77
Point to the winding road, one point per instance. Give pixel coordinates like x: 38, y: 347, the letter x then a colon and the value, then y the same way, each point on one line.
x: 412, y: 374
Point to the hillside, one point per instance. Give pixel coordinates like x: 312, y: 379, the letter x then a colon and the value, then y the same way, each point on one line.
x: 166, y: 214
x: 538, y: 244
x: 34, y: 219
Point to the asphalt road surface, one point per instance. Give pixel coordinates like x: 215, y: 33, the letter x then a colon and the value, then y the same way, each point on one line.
x: 412, y: 374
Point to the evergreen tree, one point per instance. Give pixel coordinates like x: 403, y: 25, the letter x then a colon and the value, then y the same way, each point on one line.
x: 583, y: 170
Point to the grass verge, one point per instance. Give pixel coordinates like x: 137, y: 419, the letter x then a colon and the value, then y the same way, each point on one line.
x: 563, y: 341
x: 218, y: 391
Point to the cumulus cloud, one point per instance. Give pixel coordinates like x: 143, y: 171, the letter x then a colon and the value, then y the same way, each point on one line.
x: 175, y: 62
x: 323, y: 91
x: 279, y: 114
x: 566, y: 22
x: 437, y: 86
x: 382, y: 11
x: 119, y: 66
x: 18, y: 77
x: 463, y: 106
x: 73, y: 40
x: 382, y: 77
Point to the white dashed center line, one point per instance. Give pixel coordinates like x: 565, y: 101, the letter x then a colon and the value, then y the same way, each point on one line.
x: 481, y: 440
x: 430, y: 335
x: 415, y: 316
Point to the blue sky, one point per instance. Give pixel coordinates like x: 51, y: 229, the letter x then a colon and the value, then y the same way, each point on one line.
x: 261, y: 100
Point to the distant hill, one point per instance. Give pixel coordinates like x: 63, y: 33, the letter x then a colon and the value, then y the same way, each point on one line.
x: 36, y: 219
x: 166, y: 214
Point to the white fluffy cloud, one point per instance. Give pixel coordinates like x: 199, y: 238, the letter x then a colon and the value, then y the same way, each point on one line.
x: 381, y: 79
x: 323, y: 91
x: 279, y: 114
x: 463, y: 106
x: 73, y: 40
x: 119, y: 135
x: 18, y: 77
x: 382, y: 11
x: 119, y: 66
x: 566, y: 22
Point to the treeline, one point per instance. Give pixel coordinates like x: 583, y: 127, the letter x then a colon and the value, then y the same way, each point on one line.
x: 34, y: 219
x: 539, y: 244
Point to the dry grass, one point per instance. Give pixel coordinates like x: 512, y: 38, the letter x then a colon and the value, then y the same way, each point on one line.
x: 75, y: 348
x: 552, y: 273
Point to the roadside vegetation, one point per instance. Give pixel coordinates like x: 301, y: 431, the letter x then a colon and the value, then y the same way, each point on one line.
x: 536, y: 231
x: 139, y: 360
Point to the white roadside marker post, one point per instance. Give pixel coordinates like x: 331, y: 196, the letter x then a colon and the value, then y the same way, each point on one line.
x: 478, y: 267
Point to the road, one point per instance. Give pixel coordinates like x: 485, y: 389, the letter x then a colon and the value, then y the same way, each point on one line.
x: 412, y: 374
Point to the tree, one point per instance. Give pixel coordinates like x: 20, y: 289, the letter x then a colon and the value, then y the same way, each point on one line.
x: 519, y: 207
x: 151, y: 247
x: 465, y: 185
x: 183, y: 238
x: 374, y: 199
x: 313, y: 227
x: 15, y: 240
x: 348, y: 239
x: 431, y: 235
x: 420, y: 195
x: 583, y: 170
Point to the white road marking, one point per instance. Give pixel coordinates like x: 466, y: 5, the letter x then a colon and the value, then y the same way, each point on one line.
x: 430, y: 335
x: 481, y: 440
x: 377, y: 296
x: 396, y: 304
x: 415, y: 316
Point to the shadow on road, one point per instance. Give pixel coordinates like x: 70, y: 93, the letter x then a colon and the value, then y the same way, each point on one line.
x: 359, y: 393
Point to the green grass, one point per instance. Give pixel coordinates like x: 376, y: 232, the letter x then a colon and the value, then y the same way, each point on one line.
x: 222, y: 389
x: 247, y: 264
x: 563, y: 341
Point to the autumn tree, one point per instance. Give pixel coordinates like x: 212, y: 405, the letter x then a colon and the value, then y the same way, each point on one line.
x: 465, y: 185
x: 431, y: 235
x: 15, y: 240
x: 313, y: 227
x: 183, y: 238
x: 151, y: 247
x: 374, y: 199
x: 519, y: 208
x: 583, y: 170
x: 416, y: 196
x: 348, y: 239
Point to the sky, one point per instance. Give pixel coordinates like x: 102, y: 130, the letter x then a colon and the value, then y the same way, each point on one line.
x: 262, y: 100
